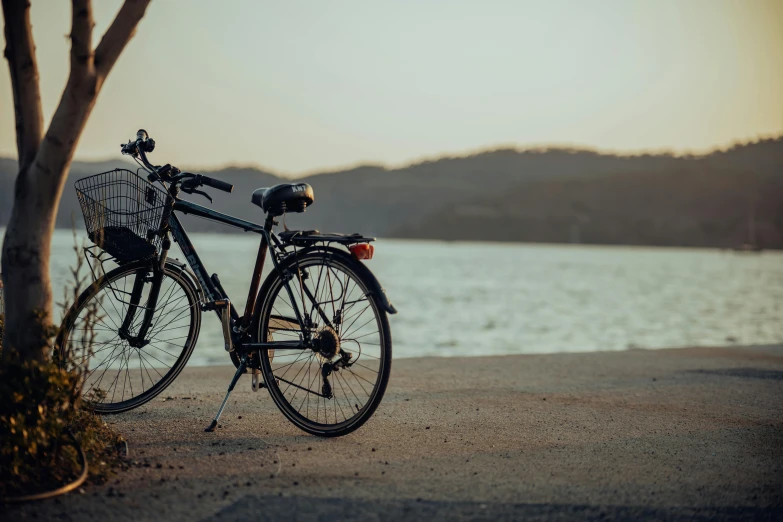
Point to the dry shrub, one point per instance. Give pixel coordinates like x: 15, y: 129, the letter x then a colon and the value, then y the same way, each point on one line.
x: 40, y: 402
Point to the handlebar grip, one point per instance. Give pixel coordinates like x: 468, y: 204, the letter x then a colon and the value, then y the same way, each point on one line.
x: 140, y: 145
x: 216, y: 183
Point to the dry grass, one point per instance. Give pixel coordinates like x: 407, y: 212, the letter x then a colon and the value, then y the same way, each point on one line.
x: 40, y: 402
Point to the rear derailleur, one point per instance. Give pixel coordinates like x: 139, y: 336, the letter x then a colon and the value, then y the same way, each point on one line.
x: 333, y: 366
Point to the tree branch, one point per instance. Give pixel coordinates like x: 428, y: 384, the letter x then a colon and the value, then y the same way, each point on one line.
x: 44, y: 163
x: 20, y: 53
x: 118, y: 35
x: 81, y: 39
x: 88, y: 72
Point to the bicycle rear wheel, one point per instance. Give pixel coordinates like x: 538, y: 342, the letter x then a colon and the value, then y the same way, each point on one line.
x: 334, y: 387
x: 120, y: 373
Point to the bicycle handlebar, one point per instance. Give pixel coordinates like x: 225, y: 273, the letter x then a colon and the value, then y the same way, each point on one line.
x: 191, y: 181
x: 128, y: 148
x: 217, y: 184
x: 144, y: 144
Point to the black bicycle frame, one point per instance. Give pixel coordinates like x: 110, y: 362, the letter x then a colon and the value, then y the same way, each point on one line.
x: 211, y: 284
x: 213, y: 290
x: 182, y: 239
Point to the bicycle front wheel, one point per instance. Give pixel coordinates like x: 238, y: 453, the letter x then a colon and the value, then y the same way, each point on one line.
x: 121, y: 370
x: 333, y: 387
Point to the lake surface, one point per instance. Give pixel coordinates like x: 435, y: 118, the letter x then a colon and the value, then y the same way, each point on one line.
x: 474, y: 299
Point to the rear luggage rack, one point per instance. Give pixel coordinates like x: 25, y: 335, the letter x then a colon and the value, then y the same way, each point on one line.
x: 309, y: 237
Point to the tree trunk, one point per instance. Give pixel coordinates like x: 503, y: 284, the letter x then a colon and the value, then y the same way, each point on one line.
x: 44, y: 164
x: 26, y: 248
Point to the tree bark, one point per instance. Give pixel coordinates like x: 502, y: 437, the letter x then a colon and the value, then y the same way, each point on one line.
x: 20, y: 53
x: 42, y: 174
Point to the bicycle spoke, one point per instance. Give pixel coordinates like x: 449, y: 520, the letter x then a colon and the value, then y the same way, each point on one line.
x: 334, y: 300
x: 114, y: 368
x: 359, y: 328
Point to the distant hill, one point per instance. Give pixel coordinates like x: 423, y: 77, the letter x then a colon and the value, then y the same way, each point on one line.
x: 544, y: 195
x: 691, y: 205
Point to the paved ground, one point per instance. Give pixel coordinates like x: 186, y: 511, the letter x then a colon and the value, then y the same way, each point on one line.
x: 666, y: 435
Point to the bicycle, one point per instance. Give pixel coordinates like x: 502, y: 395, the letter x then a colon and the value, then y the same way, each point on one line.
x: 306, y: 330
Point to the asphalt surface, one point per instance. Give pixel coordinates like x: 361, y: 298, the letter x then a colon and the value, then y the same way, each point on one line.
x: 688, y: 434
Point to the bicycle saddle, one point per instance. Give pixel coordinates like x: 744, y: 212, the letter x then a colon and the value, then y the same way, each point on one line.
x: 286, y: 197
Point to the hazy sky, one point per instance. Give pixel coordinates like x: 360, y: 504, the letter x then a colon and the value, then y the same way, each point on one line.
x: 300, y: 86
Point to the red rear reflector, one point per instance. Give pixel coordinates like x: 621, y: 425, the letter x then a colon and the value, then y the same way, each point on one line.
x: 362, y: 250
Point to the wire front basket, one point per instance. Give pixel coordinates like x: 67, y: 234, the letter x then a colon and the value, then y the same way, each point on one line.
x: 123, y: 213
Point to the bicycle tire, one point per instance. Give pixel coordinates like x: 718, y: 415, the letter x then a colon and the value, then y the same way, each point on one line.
x: 270, y: 291
x: 190, y: 291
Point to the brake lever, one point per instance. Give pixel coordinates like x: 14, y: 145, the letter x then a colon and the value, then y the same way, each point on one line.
x: 199, y: 192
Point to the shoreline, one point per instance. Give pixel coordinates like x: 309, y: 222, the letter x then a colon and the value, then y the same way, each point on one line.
x: 638, y: 434
x: 510, y: 243
x: 493, y: 242
x: 758, y: 347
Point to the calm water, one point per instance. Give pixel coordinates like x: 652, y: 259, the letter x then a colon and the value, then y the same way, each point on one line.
x: 473, y: 299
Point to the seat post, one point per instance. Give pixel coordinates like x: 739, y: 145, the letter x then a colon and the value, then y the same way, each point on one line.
x: 255, y: 282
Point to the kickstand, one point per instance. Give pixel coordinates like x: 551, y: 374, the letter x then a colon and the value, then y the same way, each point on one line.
x: 240, y: 371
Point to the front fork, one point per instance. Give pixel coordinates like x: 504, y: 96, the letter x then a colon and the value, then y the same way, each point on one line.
x: 139, y: 339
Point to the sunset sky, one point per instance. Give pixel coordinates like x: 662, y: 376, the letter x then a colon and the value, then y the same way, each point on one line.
x: 302, y: 86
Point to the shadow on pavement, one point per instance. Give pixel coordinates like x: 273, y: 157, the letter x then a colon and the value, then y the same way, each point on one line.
x: 746, y: 373
x: 350, y: 509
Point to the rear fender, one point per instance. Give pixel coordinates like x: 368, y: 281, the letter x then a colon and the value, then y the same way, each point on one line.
x: 373, y: 285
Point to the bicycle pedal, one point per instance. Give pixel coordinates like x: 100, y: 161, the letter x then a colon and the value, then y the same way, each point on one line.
x: 255, y: 383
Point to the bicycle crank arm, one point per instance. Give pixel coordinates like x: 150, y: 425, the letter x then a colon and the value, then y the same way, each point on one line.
x: 224, y: 310
x: 255, y: 383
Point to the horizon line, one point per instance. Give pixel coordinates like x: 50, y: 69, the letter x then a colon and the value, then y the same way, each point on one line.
x: 431, y: 158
